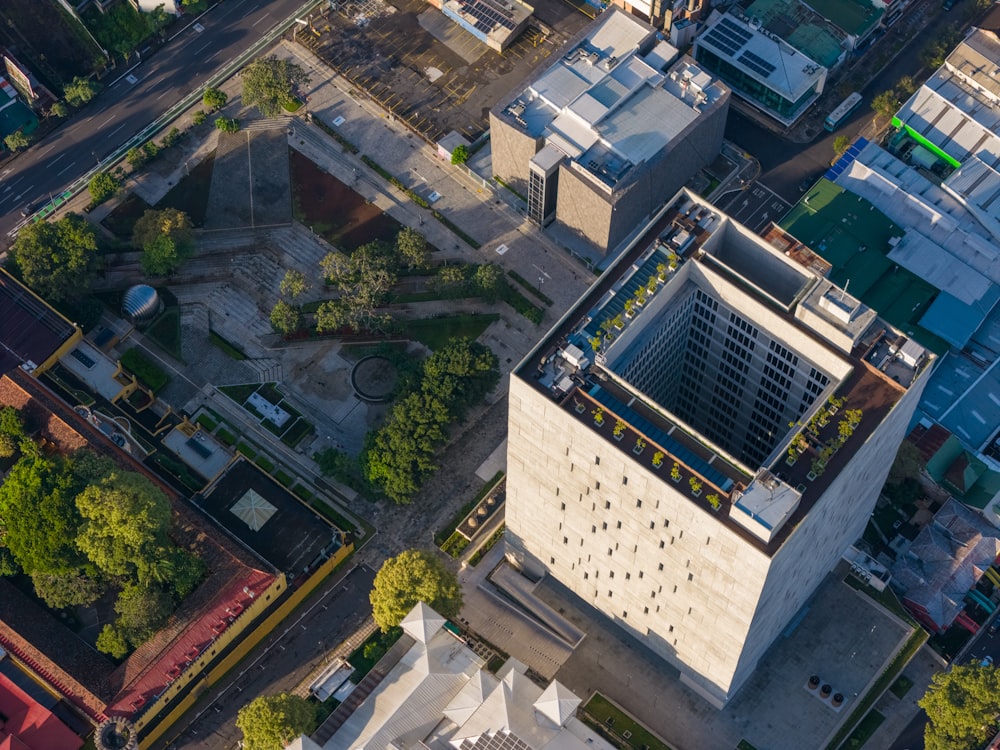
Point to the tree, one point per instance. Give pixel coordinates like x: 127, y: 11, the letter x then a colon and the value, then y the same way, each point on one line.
x: 412, y: 247
x: 59, y: 109
x: 38, y: 516
x: 16, y: 141
x: 102, y: 186
x: 172, y: 136
x: 460, y: 154
x: 268, y: 83
x: 136, y: 157
x: 294, y: 284
x: 962, y: 706
x: 71, y: 589
x: 142, y: 611
x: 885, y: 104
x: 227, y: 124
x: 450, y: 276
x: 11, y: 431
x: 166, y: 239
x: 112, y: 640
x: 125, y: 523
x: 285, y: 318
x: 410, y: 577
x: 214, y: 99
x: 488, y: 278
x: 907, y: 465
x: 460, y: 374
x: 840, y: 144
x: 332, y: 315
x: 199, y: 117
x: 363, y: 281
x: 151, y: 150
x: 79, y: 91
x: 270, y: 722
x: 55, y: 258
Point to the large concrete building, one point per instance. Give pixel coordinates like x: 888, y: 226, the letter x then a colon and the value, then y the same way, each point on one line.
x: 700, y: 438
x: 602, y: 138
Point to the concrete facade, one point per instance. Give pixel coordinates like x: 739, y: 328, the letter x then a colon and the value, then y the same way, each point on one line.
x: 635, y: 503
x: 627, y: 120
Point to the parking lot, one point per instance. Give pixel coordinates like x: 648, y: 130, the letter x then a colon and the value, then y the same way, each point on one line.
x: 425, y: 70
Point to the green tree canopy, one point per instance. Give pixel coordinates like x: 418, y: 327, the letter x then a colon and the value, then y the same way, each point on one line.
x: 840, y: 144
x: 410, y: 577
x: 285, y: 318
x: 270, y: 722
x: 55, y: 258
x: 294, y: 284
x: 488, y: 278
x: 460, y: 154
x: 11, y: 431
x: 71, y: 589
x: 963, y: 706
x: 269, y: 82
x: 59, y: 109
x: 165, y: 238
x: 227, y: 124
x: 102, y: 186
x: 412, y: 247
x: 126, y: 519
x: 214, y: 99
x: 363, y: 280
x: 16, y: 141
x: 80, y: 90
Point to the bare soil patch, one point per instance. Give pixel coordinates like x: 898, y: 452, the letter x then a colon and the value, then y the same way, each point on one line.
x: 333, y: 210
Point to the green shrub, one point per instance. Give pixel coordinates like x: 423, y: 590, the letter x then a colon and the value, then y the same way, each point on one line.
x: 145, y: 369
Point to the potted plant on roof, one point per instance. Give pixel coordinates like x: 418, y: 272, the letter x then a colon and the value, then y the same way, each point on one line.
x: 695, y: 486
x: 618, y: 323
x: 673, y: 259
x: 675, y: 472
x: 596, y: 343
x: 619, y: 431
x: 640, y: 446
x: 598, y: 416
x: 714, y: 501
x: 661, y: 272
x: 579, y: 406
x: 640, y: 296
x: 629, y: 308
x: 657, y: 459
x: 651, y: 285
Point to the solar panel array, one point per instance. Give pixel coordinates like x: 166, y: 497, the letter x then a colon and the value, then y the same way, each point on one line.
x: 487, y: 17
x: 757, y: 64
x: 728, y: 36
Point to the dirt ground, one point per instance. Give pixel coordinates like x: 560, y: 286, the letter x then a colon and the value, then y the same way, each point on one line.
x: 43, y: 36
x: 333, y: 210
x: 386, y: 51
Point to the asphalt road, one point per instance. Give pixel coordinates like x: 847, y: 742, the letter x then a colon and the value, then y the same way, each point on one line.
x: 129, y: 104
x: 289, y: 655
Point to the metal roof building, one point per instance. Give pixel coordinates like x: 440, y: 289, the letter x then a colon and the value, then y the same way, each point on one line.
x: 602, y: 137
x: 762, y: 69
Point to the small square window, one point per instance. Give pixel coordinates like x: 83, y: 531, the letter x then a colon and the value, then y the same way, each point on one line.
x: 586, y: 576
x: 618, y: 525
x: 662, y: 544
x: 670, y: 629
x: 652, y: 525
x: 641, y: 574
x: 645, y: 610
x: 593, y: 529
x: 690, y: 576
x: 607, y: 505
x: 597, y: 460
x: 610, y: 551
x: 638, y: 503
x: 562, y: 506
x: 597, y: 485
x: 604, y: 526
x: 624, y: 480
x: 552, y: 561
x: 565, y: 540
x: 628, y: 576
x: 624, y: 615
x: 660, y: 566
x: 611, y: 574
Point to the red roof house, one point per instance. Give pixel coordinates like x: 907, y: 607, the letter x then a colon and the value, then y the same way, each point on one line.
x: 25, y: 724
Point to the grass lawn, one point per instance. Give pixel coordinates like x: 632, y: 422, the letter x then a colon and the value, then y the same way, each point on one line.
x: 284, y: 478
x: 166, y: 331
x: 901, y: 686
x: 206, y: 422
x: 264, y: 464
x: 863, y: 731
x: 455, y: 545
x: 363, y: 664
x: 144, y: 368
x: 231, y: 350
x: 297, y: 432
x: 246, y: 450
x: 436, y: 332
x: 614, y: 724
x: 226, y: 436
x: 239, y: 393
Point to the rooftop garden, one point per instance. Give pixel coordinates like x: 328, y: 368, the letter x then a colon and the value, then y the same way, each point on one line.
x: 820, y: 439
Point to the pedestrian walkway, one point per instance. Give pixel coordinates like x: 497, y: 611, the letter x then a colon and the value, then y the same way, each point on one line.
x: 342, y: 651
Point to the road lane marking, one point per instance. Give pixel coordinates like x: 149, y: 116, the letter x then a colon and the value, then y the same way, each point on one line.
x: 56, y: 159
x: 66, y: 168
x: 261, y: 19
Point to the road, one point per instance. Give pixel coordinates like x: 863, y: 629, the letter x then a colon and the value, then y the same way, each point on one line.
x: 287, y: 658
x: 133, y: 101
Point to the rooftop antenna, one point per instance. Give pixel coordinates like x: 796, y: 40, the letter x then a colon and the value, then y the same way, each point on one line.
x: 844, y: 290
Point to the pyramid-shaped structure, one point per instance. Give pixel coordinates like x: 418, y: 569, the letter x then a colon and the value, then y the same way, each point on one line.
x: 558, y: 703
x: 422, y: 623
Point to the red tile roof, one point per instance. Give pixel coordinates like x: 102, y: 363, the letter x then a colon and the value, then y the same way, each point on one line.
x: 56, y: 654
x: 25, y: 724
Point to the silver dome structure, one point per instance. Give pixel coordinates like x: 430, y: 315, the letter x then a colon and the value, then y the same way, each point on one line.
x: 141, y: 304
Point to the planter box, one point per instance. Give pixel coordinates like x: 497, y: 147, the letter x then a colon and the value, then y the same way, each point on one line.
x: 658, y: 466
x: 599, y: 422
x: 618, y: 436
x: 580, y: 408
x: 811, y: 476
x: 696, y: 494
x: 638, y: 451
x: 791, y: 461
x: 676, y: 480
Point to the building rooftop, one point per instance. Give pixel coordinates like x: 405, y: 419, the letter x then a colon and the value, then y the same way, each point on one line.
x: 269, y: 519
x: 854, y: 17
x: 761, y: 55
x: 945, y: 561
x: 438, y: 696
x: 955, y: 110
x: 30, y: 331
x: 62, y: 658
x: 598, y: 102
x: 28, y: 725
x: 858, y: 240
x: 943, y: 243
x: 801, y: 27
x: 590, y: 363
